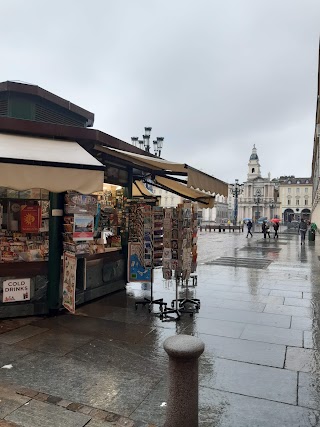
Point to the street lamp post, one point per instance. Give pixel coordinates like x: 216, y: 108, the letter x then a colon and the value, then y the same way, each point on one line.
x: 257, y: 200
x: 272, y: 206
x: 236, y: 190
x: 144, y: 144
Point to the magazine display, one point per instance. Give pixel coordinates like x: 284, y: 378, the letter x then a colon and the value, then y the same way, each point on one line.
x: 179, y: 241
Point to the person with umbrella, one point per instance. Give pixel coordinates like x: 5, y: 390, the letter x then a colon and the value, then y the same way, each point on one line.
x: 275, y: 222
x: 249, y: 227
x: 265, y: 229
x: 303, y: 226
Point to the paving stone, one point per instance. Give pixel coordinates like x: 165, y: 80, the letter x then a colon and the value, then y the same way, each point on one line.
x: 4, y: 423
x: 99, y: 423
x: 223, y: 409
x: 112, y: 417
x: 216, y: 327
x: 120, y: 314
x: 288, y: 310
x: 53, y: 399
x: 64, y: 403
x: 241, y: 296
x: 20, y: 334
x: 298, y: 302
x: 252, y: 380
x: 10, y: 401
x: 247, y: 290
x: 124, y: 422
x: 42, y: 397
x: 27, y: 392
x: 267, y: 319
x: 55, y: 342
x: 309, y: 295
x: 309, y: 340
x: 9, y: 354
x: 97, y: 328
x: 273, y: 335
x: 236, y: 305
x: 302, y: 323
x: 82, y: 382
x: 85, y: 409
x: 74, y: 407
x: 40, y: 414
x: 286, y: 294
x: 244, y: 351
x: 108, y: 354
x: 309, y: 390
x: 98, y: 414
x: 302, y: 359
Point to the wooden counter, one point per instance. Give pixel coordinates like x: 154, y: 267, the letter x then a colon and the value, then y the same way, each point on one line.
x: 24, y: 269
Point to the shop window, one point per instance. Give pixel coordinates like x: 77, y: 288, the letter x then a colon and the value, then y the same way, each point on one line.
x: 24, y: 225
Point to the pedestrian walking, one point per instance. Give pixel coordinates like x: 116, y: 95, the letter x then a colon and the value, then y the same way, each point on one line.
x: 303, y: 226
x: 249, y: 227
x: 276, y: 228
x: 265, y: 229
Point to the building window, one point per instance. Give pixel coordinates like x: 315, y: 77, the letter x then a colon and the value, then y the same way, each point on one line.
x: 298, y: 190
x: 306, y: 190
x: 297, y: 202
x: 288, y: 202
x: 306, y: 202
x: 289, y: 190
x: 252, y: 171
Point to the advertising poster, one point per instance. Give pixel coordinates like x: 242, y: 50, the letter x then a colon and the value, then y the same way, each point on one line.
x: 83, y: 227
x: 30, y: 217
x: 80, y: 204
x: 69, y: 281
x: 16, y: 290
x: 136, y: 271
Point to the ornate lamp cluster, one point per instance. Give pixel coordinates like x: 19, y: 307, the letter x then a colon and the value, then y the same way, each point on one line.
x: 144, y: 143
x: 236, y: 190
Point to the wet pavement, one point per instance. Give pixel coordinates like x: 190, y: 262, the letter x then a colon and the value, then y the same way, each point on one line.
x: 259, y: 320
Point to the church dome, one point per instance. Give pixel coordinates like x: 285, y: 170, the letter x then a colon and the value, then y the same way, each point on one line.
x: 254, y: 155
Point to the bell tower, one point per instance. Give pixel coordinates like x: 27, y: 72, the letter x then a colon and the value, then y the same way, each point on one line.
x: 254, y: 165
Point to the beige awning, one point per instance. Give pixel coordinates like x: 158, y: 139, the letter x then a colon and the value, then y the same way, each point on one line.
x: 195, y: 178
x: 54, y: 165
x: 140, y: 190
x: 204, y: 200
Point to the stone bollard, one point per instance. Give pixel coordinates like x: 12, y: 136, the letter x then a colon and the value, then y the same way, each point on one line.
x: 183, y: 397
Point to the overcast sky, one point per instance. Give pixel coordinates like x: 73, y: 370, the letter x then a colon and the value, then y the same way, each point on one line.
x: 213, y: 77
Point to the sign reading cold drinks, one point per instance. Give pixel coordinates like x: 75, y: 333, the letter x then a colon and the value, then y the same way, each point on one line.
x: 16, y: 290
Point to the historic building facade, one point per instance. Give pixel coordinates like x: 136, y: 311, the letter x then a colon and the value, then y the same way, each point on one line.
x: 295, y: 196
x: 260, y: 195
x: 315, y: 216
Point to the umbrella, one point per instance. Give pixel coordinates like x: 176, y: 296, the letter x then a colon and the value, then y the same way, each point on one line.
x: 247, y: 219
x: 262, y: 219
x: 275, y: 220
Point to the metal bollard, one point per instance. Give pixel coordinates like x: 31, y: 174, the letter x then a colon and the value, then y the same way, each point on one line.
x: 183, y: 398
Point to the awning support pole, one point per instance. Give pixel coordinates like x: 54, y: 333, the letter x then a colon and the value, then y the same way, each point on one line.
x: 55, y: 250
